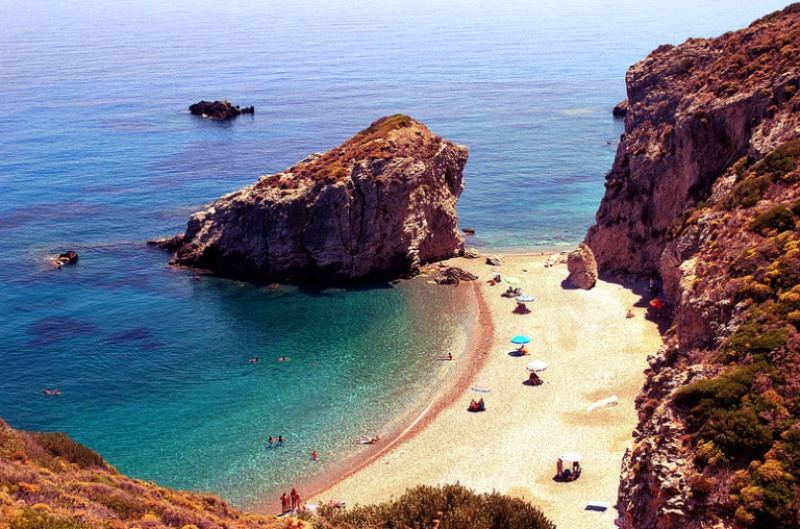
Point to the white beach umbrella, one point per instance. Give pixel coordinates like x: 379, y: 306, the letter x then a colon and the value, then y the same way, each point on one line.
x: 536, y: 366
x: 571, y: 457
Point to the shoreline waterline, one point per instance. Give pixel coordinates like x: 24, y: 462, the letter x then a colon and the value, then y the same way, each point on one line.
x: 458, y: 382
x: 593, y: 351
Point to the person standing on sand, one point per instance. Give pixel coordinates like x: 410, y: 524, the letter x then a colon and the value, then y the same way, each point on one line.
x: 295, y: 497
x: 284, y: 503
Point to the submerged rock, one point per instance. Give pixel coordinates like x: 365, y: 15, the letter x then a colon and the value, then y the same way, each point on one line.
x: 219, y: 109
x: 381, y: 204
x: 67, y: 258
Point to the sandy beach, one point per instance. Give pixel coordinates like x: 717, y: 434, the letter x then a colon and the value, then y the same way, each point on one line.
x: 593, y: 352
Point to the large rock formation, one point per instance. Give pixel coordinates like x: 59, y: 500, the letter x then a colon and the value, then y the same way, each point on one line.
x: 693, y: 110
x: 382, y: 203
x: 705, y: 193
x: 582, y: 267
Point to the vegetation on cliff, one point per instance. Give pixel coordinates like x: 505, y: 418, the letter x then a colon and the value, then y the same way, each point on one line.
x: 48, y: 481
x: 379, y: 205
x: 706, y: 192
x: 745, y: 417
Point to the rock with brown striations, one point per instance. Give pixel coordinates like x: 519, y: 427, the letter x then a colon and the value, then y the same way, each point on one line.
x: 381, y: 204
x: 219, y: 109
x: 472, y: 253
x: 582, y: 267
x: 693, y: 110
x: 453, y: 276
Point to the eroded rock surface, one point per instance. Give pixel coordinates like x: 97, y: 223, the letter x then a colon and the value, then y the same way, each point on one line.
x: 381, y: 204
x: 582, y: 267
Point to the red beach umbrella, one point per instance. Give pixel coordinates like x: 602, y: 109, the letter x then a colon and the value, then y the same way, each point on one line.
x: 657, y: 303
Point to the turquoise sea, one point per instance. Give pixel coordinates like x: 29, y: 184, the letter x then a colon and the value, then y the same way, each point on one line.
x: 99, y: 154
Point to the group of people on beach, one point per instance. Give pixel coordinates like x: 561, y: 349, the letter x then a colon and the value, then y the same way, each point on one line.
x: 291, y: 502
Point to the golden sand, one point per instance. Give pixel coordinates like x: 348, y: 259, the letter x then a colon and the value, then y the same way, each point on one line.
x: 593, y: 351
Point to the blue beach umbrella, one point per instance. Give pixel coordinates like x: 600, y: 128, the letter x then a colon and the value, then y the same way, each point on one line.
x: 525, y: 299
x: 520, y: 340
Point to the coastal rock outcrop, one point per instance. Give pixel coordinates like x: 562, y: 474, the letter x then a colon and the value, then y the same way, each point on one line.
x: 582, y: 267
x: 705, y: 194
x: 693, y: 110
x: 219, y: 109
x: 381, y: 204
x: 67, y: 258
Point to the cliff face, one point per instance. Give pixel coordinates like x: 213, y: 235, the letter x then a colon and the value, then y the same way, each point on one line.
x: 48, y: 480
x: 705, y: 194
x: 382, y: 203
x: 693, y: 110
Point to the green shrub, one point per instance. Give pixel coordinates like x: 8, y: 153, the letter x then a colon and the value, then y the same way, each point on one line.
x: 781, y: 161
x: 753, y: 339
x: 779, y: 218
x: 32, y: 519
x: 456, y: 506
x: 738, y: 433
x: 125, y: 506
x: 60, y: 445
x: 748, y: 192
x: 704, y: 396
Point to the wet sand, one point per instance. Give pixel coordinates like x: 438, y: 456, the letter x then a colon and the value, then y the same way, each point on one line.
x: 593, y: 352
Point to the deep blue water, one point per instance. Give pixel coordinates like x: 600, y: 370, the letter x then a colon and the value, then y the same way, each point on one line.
x: 100, y: 154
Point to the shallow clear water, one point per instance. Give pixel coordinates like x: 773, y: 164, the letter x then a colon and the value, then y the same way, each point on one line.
x: 100, y: 154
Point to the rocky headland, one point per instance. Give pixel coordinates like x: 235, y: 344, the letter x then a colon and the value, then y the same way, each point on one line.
x: 704, y: 194
x: 381, y: 204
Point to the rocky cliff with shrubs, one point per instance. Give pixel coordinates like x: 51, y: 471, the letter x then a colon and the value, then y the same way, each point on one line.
x: 381, y: 204
x: 48, y: 481
x: 704, y: 194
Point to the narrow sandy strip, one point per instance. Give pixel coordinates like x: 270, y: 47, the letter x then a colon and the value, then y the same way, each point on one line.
x: 593, y: 352
x: 475, y: 355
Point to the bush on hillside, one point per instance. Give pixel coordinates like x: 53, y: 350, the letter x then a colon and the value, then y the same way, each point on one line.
x: 778, y: 218
x: 59, y: 445
x: 456, y: 506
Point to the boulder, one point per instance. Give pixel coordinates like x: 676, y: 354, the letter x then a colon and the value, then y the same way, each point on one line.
x: 582, y: 267
x: 494, y: 260
x: 453, y: 276
x: 620, y: 109
x: 472, y: 253
x: 381, y: 204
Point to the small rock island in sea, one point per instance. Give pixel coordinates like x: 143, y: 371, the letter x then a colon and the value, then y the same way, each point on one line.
x: 220, y: 110
x: 381, y: 204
